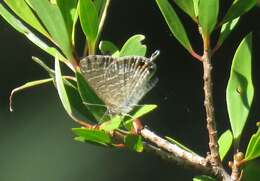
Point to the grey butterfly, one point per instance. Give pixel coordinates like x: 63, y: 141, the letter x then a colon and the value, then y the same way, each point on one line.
x: 120, y: 82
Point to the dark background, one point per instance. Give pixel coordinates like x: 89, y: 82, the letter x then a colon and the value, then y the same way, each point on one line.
x: 36, y: 141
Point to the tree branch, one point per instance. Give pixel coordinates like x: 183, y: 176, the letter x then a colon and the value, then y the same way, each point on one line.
x: 213, y: 156
x: 170, y: 151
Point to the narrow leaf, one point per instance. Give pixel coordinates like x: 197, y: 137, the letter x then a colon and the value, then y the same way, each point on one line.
x: 208, y: 15
x: 107, y: 47
x: 92, y: 135
x: 111, y: 125
x: 174, y: 23
x: 225, y: 142
x: 89, y: 20
x: 179, y: 144
x: 68, y: 10
x: 253, y: 148
x: 203, y: 178
x: 137, y: 113
x: 52, y: 19
x: 94, y: 104
x: 133, y: 46
x: 134, y: 142
x: 15, y: 23
x: 238, y: 8
x: 188, y: 7
x: 22, y: 10
x: 26, y: 86
x: 240, y: 90
x: 226, y: 29
x: 196, y: 7
x: 50, y: 71
x: 70, y: 97
x: 100, y: 5
x: 61, y: 88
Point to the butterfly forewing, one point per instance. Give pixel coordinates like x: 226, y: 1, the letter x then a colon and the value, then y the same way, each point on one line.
x: 119, y: 82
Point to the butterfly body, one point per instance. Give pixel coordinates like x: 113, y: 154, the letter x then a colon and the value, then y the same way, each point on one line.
x: 119, y: 82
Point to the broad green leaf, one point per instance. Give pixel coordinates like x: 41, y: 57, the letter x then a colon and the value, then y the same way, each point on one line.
x: 225, y: 142
x: 68, y: 10
x: 134, y: 142
x: 253, y: 148
x: 22, y: 10
x: 187, y: 6
x: 89, y: 21
x: 70, y: 97
x: 238, y: 8
x: 112, y: 124
x: 94, y: 104
x: 174, y: 23
x: 107, y: 47
x: 208, y: 15
x: 137, y: 113
x: 15, y: 23
x: 92, y: 135
x: 240, y: 90
x: 26, y: 86
x: 203, y: 178
x: 251, y: 170
x: 52, y: 19
x: 226, y: 29
x: 179, y: 144
x: 133, y: 46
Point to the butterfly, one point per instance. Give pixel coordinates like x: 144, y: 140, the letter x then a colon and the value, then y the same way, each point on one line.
x: 120, y: 82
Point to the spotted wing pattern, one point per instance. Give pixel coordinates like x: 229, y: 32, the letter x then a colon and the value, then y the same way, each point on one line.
x: 119, y: 82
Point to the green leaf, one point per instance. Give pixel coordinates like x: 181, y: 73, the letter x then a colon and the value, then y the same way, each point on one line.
x: 70, y: 97
x: 203, y: 178
x: 253, y: 148
x: 251, y: 170
x: 225, y: 142
x: 179, y: 144
x: 50, y: 71
x: 134, y: 142
x: 240, y: 90
x: 100, y: 5
x: 108, y: 47
x: 188, y: 7
x: 92, y: 135
x: 52, y: 19
x: 68, y: 10
x: 174, y: 23
x: 89, y: 20
x: 196, y: 7
x: 94, y: 104
x: 137, y: 113
x: 26, y: 86
x: 112, y: 124
x: 75, y: 19
x: 226, y: 29
x: 208, y: 15
x: 238, y: 8
x: 22, y: 10
x: 134, y: 46
x: 15, y: 23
